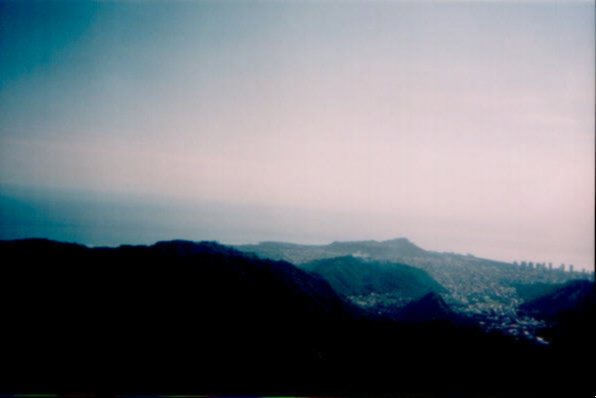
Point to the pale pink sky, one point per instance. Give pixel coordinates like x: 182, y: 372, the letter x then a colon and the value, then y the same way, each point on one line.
x: 466, y: 126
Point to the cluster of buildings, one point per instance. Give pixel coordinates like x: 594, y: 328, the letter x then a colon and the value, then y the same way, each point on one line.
x: 582, y: 274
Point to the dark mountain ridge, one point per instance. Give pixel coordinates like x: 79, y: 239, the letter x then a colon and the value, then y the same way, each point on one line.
x: 431, y: 307
x: 570, y: 311
x: 210, y: 269
x: 186, y: 316
x: 573, y: 296
x: 149, y: 304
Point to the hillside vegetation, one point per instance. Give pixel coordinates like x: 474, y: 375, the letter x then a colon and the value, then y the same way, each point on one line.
x: 354, y: 276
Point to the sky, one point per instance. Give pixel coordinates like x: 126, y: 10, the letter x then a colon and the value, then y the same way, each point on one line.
x: 465, y: 126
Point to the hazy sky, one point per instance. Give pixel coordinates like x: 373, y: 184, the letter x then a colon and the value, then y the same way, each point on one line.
x: 466, y: 126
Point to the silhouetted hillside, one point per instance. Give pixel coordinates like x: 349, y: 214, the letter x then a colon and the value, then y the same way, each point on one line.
x: 431, y: 307
x: 531, y: 291
x: 146, y: 310
x: 571, y: 314
x: 573, y: 296
x: 181, y: 316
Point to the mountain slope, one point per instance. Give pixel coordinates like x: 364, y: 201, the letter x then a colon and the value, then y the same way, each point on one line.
x: 573, y: 296
x: 571, y: 312
x: 531, y: 291
x: 388, y: 250
x: 201, y: 317
x: 473, y: 283
x: 431, y: 307
x: 143, y: 308
x: 352, y: 276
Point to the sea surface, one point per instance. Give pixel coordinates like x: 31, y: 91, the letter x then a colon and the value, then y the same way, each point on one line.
x: 105, y: 219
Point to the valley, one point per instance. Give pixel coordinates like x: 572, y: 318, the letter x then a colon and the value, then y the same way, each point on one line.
x: 483, y: 290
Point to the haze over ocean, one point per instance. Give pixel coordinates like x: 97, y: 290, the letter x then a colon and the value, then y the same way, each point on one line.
x: 463, y: 126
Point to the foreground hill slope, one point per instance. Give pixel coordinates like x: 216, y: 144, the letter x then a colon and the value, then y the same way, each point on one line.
x: 148, y: 309
x: 573, y: 296
x: 431, y: 307
x: 181, y: 316
x: 570, y: 312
